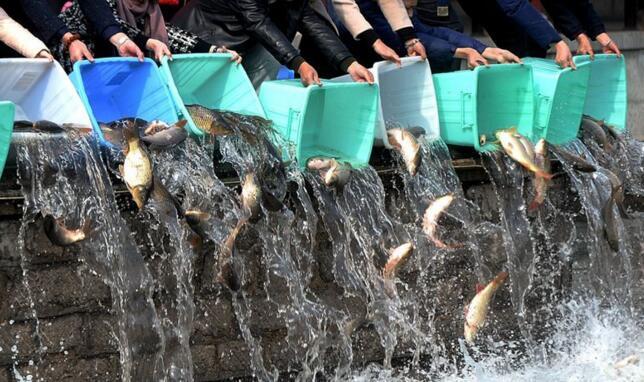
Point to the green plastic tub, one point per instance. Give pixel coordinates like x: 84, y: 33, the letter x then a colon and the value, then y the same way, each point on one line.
x: 7, y: 111
x: 210, y: 80
x: 559, y: 99
x: 337, y: 120
x: 474, y: 104
x: 607, y: 96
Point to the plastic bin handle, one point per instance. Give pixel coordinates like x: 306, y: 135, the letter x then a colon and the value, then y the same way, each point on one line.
x: 466, y: 98
x: 543, y: 103
x: 293, y: 121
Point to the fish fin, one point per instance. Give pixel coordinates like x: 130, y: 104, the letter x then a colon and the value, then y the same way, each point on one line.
x: 195, y: 241
x: 501, y: 277
x: 181, y: 123
x: 479, y: 287
x: 623, y: 212
x: 87, y: 227
x: 543, y: 174
x: 534, y: 205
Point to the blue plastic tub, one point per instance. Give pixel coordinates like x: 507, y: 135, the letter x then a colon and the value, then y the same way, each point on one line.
x: 116, y: 88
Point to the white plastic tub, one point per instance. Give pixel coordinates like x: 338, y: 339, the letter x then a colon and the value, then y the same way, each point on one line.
x: 41, y: 90
x: 407, y: 97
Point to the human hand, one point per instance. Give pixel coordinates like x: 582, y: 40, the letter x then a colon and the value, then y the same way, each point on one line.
x: 608, y: 45
x: 308, y: 75
x: 473, y: 57
x: 45, y: 54
x: 78, y: 51
x: 360, y: 74
x: 584, y: 46
x: 159, y: 48
x: 563, y: 56
x: 126, y: 47
x: 236, y: 57
x: 415, y: 48
x: 386, y: 52
x: 501, y: 56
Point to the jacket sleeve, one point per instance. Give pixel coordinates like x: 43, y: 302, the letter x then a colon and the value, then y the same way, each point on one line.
x: 257, y: 23
x: 351, y: 17
x: 48, y: 26
x: 396, y: 14
x: 531, y: 20
x: 457, y: 39
x: 101, y: 17
x: 588, y: 16
x: 18, y: 38
x: 329, y: 44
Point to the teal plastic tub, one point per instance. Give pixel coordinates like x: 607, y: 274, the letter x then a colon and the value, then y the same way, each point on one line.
x: 474, y: 104
x: 212, y: 81
x: 337, y: 120
x: 559, y: 99
x: 7, y: 111
x: 607, y: 96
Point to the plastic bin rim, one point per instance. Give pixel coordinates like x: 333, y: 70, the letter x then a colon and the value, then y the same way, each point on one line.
x: 405, y: 62
x: 193, y: 56
x: 98, y: 61
x: 22, y: 60
x: 598, y: 57
x: 325, y: 84
x: 558, y: 71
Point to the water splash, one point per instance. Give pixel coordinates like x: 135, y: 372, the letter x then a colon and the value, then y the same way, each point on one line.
x: 68, y: 179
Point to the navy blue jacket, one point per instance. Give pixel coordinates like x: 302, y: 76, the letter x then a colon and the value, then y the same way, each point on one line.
x: 42, y: 18
x: 531, y: 21
x: 573, y: 17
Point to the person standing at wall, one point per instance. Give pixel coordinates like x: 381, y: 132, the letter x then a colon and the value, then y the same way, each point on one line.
x: 517, y: 26
x: 578, y: 20
x: 443, y: 45
x: 263, y: 30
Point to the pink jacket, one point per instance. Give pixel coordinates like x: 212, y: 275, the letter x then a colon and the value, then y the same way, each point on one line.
x: 18, y: 38
x: 349, y: 13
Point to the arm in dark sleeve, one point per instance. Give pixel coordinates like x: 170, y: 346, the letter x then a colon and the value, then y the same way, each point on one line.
x: 531, y: 20
x: 573, y: 17
x: 457, y: 39
x: 438, y: 50
x: 323, y: 36
x: 100, y: 17
x: 255, y: 18
x: 48, y: 26
x: 588, y: 16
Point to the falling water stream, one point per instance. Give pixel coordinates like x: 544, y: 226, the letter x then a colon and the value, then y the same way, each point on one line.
x: 309, y: 265
x: 67, y: 179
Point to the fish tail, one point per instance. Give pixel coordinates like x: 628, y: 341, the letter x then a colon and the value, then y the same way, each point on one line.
x: 500, y: 278
x: 534, y: 205
x: 181, y: 123
x: 544, y: 175
x: 130, y: 131
x: 87, y: 227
